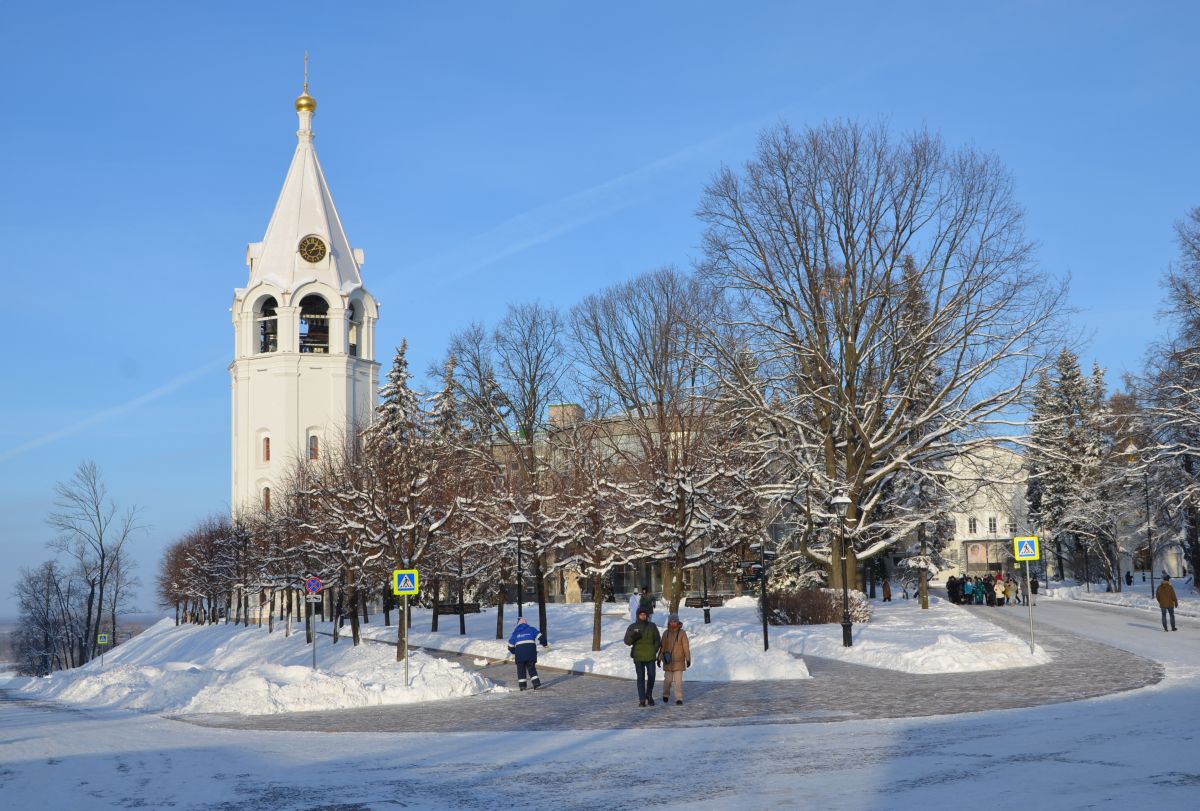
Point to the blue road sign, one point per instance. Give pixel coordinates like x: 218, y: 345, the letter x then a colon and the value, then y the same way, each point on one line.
x: 1026, y: 548
x: 313, y: 585
x: 405, y: 581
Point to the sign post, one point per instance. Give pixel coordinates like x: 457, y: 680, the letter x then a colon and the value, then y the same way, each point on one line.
x: 102, y: 639
x: 1027, y: 549
x: 404, y: 583
x: 313, y: 585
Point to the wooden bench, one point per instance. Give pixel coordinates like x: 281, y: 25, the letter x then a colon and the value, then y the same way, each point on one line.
x: 714, y: 601
x: 452, y: 608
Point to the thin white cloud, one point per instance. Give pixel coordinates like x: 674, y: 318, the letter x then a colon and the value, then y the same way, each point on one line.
x: 171, y: 386
x: 546, y: 222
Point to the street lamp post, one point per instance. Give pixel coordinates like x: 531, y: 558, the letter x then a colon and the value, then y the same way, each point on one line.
x: 840, y: 504
x: 518, y: 522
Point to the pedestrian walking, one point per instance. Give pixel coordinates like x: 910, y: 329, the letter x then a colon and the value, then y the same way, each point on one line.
x: 887, y: 593
x: 644, y: 640
x: 1010, y: 590
x: 675, y: 656
x: 647, y: 601
x: 1024, y: 591
x: 968, y: 590
x: 635, y: 600
x: 523, y: 646
x: 1128, y: 578
x: 1033, y: 589
x: 1167, y: 601
x: 999, y: 590
x: 952, y: 589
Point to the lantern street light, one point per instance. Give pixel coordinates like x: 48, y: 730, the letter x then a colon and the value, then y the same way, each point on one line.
x: 519, y: 522
x: 841, y: 504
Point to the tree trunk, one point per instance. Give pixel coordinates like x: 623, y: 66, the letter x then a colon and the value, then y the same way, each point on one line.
x: 310, y: 622
x: 84, y: 648
x: 543, y: 624
x: 402, y: 622
x: 352, y: 598
x: 362, y: 601
x: 436, y: 592
x: 387, y: 608
x: 500, y: 608
x: 597, y: 598
x: 462, y: 615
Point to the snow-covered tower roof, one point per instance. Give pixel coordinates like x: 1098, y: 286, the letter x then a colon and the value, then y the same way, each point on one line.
x: 287, y: 258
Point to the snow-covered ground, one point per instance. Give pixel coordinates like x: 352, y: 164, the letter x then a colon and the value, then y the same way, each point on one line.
x: 1134, y: 748
x: 224, y: 668
x: 900, y: 636
x: 228, y: 668
x: 1137, y: 595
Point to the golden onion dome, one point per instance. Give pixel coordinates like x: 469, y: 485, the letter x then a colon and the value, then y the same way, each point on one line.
x: 306, y: 102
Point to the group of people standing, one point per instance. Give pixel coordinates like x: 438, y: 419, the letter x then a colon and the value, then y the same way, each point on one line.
x: 991, y: 590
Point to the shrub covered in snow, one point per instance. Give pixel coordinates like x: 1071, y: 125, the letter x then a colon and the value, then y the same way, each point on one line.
x: 814, y: 607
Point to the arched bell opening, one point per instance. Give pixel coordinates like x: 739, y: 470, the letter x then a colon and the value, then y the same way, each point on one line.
x: 268, y: 325
x: 314, y: 325
x: 354, y: 324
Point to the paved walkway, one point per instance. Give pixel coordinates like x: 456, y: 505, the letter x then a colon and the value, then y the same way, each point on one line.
x: 1082, y: 668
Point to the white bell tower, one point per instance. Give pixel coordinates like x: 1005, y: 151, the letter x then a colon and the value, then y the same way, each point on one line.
x: 304, y: 375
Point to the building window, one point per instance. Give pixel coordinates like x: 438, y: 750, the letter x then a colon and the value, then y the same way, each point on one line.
x: 992, y: 525
x: 266, y: 449
x: 266, y: 499
x: 313, y: 451
x: 972, y: 526
x: 1012, y: 528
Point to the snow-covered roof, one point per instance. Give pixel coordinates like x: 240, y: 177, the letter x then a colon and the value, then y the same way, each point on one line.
x: 305, y: 208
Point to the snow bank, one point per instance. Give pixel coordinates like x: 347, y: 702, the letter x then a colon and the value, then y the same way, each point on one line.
x: 1136, y: 596
x: 900, y: 636
x: 226, y: 668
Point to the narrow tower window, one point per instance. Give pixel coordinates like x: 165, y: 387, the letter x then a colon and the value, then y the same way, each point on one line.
x: 312, y: 447
x: 266, y: 499
x: 972, y: 526
x: 992, y: 525
x: 266, y: 449
x: 268, y: 325
x: 314, y: 325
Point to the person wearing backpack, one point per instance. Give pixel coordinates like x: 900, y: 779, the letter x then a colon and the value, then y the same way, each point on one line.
x: 675, y: 656
x: 644, y: 641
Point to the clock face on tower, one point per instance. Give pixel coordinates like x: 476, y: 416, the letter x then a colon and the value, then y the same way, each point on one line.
x: 312, y: 249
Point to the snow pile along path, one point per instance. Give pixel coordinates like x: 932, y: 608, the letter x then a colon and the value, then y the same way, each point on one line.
x: 228, y: 668
x: 1134, y: 596
x: 900, y: 636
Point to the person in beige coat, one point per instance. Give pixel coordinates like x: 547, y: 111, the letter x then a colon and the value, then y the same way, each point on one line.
x: 675, y: 656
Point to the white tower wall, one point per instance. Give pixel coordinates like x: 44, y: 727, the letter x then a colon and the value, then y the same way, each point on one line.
x: 285, y: 387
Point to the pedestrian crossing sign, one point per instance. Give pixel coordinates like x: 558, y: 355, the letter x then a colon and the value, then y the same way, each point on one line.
x: 405, y: 581
x: 102, y: 639
x: 1026, y: 548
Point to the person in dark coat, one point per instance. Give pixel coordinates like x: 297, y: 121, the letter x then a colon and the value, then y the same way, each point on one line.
x: 1033, y: 589
x: 952, y: 588
x: 887, y: 591
x: 1128, y: 578
x: 523, y: 646
x: 644, y: 641
x: 1168, y: 601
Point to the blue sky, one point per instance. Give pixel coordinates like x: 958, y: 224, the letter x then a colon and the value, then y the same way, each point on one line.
x: 482, y: 153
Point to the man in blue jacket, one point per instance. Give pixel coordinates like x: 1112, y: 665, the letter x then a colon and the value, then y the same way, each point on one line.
x: 523, y: 646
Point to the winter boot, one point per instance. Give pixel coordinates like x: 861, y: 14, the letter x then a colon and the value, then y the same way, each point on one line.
x: 678, y: 701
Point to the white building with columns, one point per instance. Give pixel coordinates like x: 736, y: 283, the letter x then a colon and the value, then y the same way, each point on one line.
x: 304, y: 375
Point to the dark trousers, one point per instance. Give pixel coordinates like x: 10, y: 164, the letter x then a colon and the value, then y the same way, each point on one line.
x: 645, y: 679
x: 1170, y: 611
x: 529, y: 668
